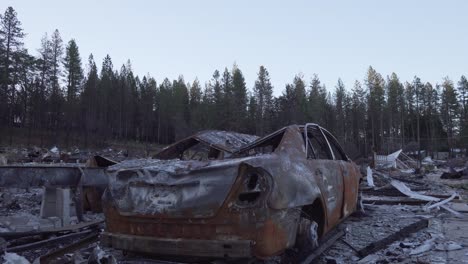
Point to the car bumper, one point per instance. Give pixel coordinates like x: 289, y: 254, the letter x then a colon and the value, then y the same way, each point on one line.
x: 179, y: 247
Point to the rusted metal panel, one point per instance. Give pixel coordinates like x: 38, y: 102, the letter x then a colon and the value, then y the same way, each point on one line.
x: 172, y: 188
x: 256, y: 195
x: 179, y: 247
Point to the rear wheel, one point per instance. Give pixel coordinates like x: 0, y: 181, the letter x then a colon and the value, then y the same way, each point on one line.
x: 306, y: 241
x: 310, y: 228
x: 307, y: 235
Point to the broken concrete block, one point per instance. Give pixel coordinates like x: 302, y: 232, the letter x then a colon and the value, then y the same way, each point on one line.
x: 48, y: 206
x: 56, y: 202
x: 63, y: 205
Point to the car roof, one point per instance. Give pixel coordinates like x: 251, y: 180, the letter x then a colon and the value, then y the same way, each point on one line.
x: 281, y: 130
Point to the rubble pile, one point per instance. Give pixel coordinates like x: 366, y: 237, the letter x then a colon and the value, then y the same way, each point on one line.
x: 395, y: 201
x: 54, y: 154
x: 16, y: 200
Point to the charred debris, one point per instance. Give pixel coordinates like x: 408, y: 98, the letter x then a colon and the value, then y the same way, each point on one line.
x: 52, y: 211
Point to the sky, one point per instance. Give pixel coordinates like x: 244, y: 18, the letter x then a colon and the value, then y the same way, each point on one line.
x: 334, y: 39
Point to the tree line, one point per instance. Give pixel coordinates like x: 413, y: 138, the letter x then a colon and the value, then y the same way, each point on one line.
x: 49, y: 95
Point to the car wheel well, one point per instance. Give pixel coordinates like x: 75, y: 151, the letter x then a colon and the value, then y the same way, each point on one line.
x: 315, y: 212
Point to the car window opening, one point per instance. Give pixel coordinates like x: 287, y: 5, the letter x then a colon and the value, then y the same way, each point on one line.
x: 335, y: 147
x: 200, y: 152
x: 317, y: 146
x: 266, y: 146
x: 192, y: 149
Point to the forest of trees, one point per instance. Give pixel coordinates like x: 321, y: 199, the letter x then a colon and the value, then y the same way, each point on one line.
x: 48, y: 96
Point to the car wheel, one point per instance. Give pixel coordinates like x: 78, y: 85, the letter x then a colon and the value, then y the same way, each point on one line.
x: 307, y: 235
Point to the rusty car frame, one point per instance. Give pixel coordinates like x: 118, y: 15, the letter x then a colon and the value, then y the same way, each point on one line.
x: 284, y: 190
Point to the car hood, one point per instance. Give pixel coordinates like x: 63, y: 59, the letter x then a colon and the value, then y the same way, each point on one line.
x: 171, y: 188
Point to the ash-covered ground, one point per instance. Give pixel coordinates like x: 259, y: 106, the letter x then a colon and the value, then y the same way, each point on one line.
x: 382, y: 224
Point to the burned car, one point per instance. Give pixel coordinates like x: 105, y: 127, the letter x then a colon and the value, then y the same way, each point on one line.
x: 283, y: 190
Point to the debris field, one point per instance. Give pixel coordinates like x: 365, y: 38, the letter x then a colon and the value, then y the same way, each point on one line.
x: 405, y: 215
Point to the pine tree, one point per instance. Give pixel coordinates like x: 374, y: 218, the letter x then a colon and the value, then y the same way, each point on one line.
x: 147, y: 99
x: 340, y: 98
x: 359, y: 117
x: 73, y: 70
x: 317, y: 101
x: 252, y: 115
x: 376, y: 100
x: 181, y: 114
x: 89, y: 102
x: 418, y: 87
x: 164, y: 112
x: 300, y: 100
x: 23, y: 81
x: 286, y: 105
x: 411, y: 111
x: 74, y: 77
x: 56, y: 46
x: 219, y: 112
x: 239, y: 101
x: 106, y: 94
x: 393, y: 108
x: 195, y: 93
x: 431, y: 116
x: 11, y: 35
x: 207, y: 110
x: 227, y: 109
x: 263, y: 94
x: 463, y: 99
x: 449, y: 110
x: 44, y: 63
x: 329, y: 112
x: 56, y: 96
x: 195, y: 105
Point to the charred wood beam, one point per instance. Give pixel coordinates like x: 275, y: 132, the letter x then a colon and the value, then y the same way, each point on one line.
x: 324, y: 245
x: 402, y: 233
x: 51, y: 176
x: 396, y: 193
x: 72, y: 228
x: 47, y: 258
x: 49, y: 241
x: 388, y: 192
x: 406, y: 201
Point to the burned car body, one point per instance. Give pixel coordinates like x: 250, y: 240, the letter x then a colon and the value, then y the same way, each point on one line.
x: 264, y: 199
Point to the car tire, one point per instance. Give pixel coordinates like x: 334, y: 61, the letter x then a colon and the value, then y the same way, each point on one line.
x: 307, y: 235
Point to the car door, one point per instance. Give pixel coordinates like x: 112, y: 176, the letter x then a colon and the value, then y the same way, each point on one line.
x: 327, y: 171
x: 350, y: 175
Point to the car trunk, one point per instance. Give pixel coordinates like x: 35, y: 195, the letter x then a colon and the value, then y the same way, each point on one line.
x: 171, y: 188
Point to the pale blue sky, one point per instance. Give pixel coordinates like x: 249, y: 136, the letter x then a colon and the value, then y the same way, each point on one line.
x: 335, y: 39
